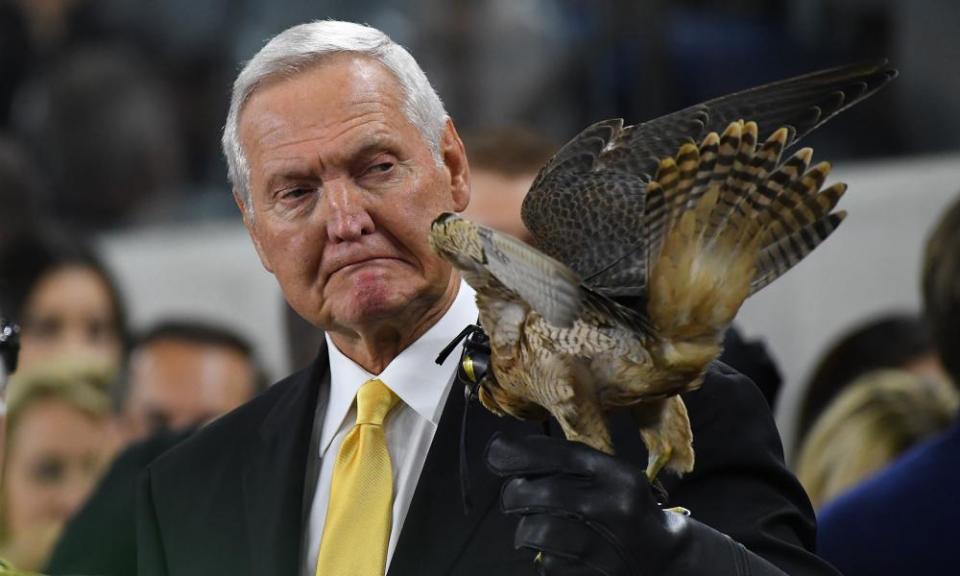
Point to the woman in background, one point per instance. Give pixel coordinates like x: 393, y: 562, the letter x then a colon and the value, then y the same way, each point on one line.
x: 57, y: 444
x: 64, y: 299
x: 875, y: 419
x: 891, y: 341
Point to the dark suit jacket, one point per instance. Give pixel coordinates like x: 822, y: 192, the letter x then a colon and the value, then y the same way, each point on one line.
x: 234, y: 498
x: 752, y: 359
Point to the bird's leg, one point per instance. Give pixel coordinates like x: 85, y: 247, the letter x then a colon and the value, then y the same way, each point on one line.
x: 583, y: 422
x: 575, y: 404
x: 665, y: 429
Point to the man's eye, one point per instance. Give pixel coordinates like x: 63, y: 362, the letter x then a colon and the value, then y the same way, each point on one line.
x: 381, y: 168
x: 295, y: 193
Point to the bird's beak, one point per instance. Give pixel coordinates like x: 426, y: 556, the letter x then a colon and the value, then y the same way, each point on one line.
x: 444, y: 218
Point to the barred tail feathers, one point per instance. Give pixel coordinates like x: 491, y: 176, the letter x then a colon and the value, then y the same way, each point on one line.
x: 739, y: 222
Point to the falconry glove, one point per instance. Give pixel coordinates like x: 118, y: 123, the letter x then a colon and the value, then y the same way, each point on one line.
x: 587, y: 512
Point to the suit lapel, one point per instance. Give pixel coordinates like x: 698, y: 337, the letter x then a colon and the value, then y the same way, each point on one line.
x: 275, y: 471
x: 436, y: 530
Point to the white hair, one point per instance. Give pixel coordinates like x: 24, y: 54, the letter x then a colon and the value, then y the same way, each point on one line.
x: 299, y: 47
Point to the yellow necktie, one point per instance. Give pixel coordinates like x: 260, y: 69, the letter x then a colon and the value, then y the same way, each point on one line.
x: 357, y: 529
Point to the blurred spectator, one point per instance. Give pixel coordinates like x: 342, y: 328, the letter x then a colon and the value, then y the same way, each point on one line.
x: 872, y: 421
x: 19, y: 191
x: 104, y: 128
x: 904, y: 519
x: 101, y: 538
x: 14, y: 61
x: 34, y: 34
x: 892, y: 341
x: 503, y: 165
x: 184, y: 374
x: 64, y: 299
x: 47, y: 21
x: 58, y: 442
x: 181, y: 375
x: 30, y: 32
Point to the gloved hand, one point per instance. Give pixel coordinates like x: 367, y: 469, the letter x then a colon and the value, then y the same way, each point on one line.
x: 590, y: 513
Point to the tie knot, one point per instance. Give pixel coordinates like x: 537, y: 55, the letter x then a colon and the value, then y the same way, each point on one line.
x: 374, y: 402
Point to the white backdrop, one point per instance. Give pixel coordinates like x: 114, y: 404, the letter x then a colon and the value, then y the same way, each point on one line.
x: 870, y: 265
x: 201, y: 272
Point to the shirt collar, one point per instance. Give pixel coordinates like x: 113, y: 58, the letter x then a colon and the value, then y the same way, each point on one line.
x: 414, y: 375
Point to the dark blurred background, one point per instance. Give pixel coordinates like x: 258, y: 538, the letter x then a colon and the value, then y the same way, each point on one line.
x: 119, y: 103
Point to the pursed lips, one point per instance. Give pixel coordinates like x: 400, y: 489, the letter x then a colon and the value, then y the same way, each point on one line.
x: 356, y: 262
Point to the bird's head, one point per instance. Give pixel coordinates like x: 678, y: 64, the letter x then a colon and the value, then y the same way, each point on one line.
x: 456, y: 239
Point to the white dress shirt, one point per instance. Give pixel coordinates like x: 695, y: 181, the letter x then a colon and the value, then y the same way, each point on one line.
x: 422, y: 386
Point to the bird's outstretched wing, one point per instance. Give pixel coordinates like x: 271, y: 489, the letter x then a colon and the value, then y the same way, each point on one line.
x: 576, y: 208
x: 730, y: 219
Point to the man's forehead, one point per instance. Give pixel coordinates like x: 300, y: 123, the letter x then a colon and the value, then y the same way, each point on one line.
x: 320, y: 104
x: 339, y: 80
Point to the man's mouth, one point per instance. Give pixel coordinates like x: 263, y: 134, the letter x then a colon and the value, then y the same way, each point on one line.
x: 354, y: 264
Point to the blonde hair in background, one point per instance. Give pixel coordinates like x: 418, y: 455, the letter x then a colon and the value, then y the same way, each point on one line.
x: 881, y: 415
x: 79, y: 383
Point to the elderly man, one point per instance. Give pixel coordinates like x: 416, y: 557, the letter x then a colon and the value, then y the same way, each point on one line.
x: 341, y: 154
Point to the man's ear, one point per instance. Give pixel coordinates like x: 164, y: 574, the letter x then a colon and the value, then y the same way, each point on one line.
x: 250, y: 225
x: 455, y: 159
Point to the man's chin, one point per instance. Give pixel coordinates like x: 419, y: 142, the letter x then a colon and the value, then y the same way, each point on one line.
x: 373, y: 306
x: 397, y: 305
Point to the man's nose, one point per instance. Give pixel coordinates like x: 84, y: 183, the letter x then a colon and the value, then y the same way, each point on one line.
x: 349, y: 219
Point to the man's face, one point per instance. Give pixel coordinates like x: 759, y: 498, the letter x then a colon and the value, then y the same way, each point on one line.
x: 344, y: 189
x: 177, y: 384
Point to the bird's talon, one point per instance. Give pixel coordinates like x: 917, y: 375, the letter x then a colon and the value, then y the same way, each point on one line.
x: 657, y: 464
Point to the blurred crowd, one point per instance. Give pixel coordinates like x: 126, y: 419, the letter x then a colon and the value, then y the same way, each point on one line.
x: 86, y: 388
x: 110, y: 117
x: 110, y: 110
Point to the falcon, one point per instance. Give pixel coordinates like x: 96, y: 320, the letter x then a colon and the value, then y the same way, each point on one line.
x: 648, y: 240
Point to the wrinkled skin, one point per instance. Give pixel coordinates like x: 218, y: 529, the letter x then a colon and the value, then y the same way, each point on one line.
x: 343, y: 190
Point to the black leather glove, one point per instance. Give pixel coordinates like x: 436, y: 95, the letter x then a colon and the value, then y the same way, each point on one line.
x: 590, y: 513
